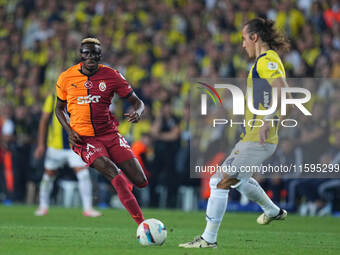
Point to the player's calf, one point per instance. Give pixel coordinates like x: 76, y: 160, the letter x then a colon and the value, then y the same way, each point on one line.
x: 134, y: 172
x: 120, y: 183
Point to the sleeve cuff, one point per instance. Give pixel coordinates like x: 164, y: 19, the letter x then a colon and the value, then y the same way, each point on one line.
x: 61, y: 100
x: 128, y: 95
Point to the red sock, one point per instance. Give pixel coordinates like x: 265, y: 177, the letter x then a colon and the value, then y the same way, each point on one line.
x: 120, y: 183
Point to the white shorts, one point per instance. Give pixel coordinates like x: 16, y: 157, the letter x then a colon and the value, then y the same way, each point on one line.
x: 244, y: 160
x: 55, y: 159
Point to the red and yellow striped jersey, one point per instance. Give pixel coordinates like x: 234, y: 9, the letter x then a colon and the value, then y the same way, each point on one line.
x: 89, y: 97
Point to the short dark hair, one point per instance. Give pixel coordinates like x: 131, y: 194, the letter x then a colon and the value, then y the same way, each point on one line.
x: 265, y: 29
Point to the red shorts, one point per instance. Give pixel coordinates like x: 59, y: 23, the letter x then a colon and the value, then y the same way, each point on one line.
x: 113, y: 146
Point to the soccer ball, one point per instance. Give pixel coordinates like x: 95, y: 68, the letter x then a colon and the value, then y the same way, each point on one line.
x: 151, y: 232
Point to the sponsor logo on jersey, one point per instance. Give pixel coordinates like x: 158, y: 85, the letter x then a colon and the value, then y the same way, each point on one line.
x: 102, y: 86
x: 272, y: 66
x: 266, y: 100
x: 88, y: 99
x: 88, y: 84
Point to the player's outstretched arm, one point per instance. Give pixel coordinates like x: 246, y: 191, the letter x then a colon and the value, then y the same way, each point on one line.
x: 73, y: 136
x: 138, y: 107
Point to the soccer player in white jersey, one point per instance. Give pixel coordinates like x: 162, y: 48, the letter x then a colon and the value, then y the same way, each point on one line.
x: 261, y: 41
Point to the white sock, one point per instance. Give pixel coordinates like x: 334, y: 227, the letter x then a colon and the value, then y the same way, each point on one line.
x: 217, y: 205
x: 46, y: 186
x: 85, y: 188
x: 252, y: 189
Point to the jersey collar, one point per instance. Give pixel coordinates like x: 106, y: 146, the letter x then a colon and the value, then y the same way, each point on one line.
x: 80, y: 71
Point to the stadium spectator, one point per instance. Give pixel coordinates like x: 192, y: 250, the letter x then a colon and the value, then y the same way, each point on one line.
x: 156, y: 44
x: 6, y: 147
x: 165, y: 132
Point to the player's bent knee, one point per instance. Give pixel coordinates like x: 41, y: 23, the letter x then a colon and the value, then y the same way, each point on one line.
x: 227, y: 183
x: 143, y: 182
x: 241, y: 182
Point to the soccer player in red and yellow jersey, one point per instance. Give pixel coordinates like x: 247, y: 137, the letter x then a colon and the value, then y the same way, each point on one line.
x: 86, y: 91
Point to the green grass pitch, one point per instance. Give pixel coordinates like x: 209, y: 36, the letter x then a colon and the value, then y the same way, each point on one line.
x: 66, y: 231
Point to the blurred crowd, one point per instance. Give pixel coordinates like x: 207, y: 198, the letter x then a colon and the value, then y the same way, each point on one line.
x: 159, y: 46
